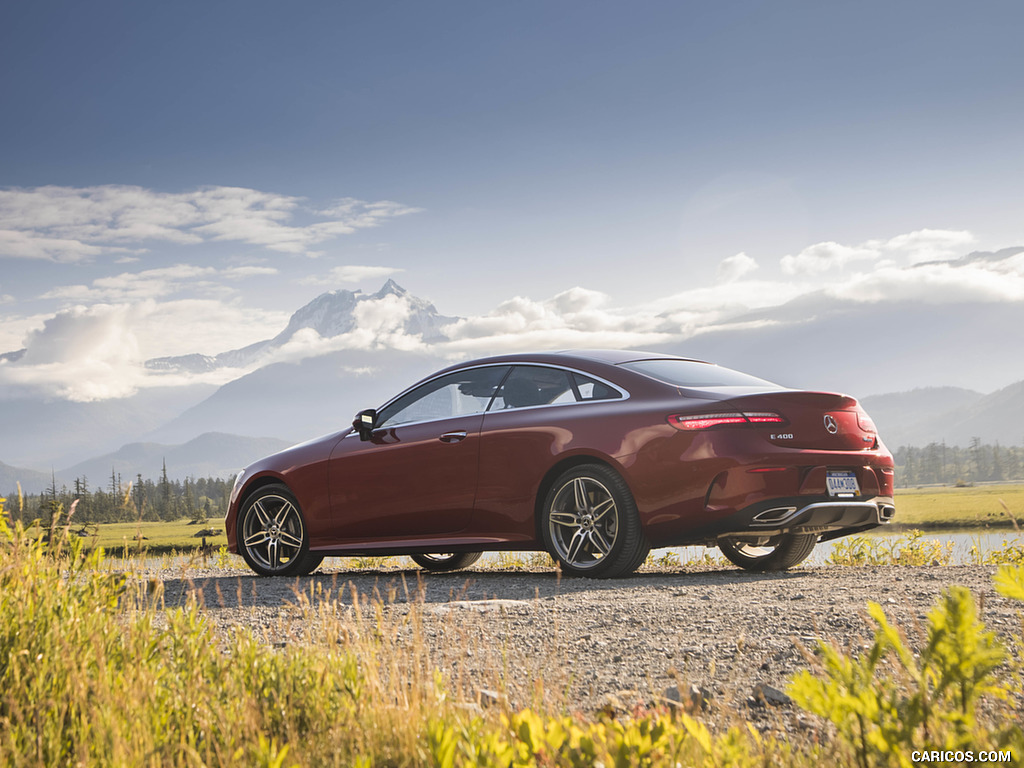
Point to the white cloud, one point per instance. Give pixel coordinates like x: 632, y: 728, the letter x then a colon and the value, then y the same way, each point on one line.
x: 28, y: 245
x: 940, y: 283
x: 14, y: 329
x: 707, y: 304
x: 98, y: 352
x: 929, y: 245
x: 80, y: 354
x: 574, y: 318
x: 733, y: 268
x: 156, y: 283
x: 826, y: 257
x: 73, y: 224
x: 350, y: 274
x: 911, y: 248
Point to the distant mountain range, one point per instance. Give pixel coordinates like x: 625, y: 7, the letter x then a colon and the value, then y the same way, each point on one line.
x: 955, y: 416
x: 204, y: 430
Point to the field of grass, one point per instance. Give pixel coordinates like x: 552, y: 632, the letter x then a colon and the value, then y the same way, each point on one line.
x: 155, y: 537
x: 995, y: 506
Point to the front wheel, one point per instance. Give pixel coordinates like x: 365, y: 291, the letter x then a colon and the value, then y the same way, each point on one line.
x: 272, y: 535
x: 771, y: 554
x: 590, y: 524
x: 449, y: 562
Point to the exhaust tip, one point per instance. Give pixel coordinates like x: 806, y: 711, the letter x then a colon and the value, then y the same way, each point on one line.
x: 886, y: 513
x: 774, y: 516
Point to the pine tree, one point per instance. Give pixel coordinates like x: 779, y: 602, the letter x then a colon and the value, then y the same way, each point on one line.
x: 165, y: 511
x: 138, y: 495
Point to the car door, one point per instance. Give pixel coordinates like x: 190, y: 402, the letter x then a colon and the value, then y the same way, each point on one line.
x: 417, y: 474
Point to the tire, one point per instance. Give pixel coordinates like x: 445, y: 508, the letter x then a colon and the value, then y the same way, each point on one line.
x: 590, y: 525
x: 272, y: 534
x: 778, y: 554
x: 450, y: 562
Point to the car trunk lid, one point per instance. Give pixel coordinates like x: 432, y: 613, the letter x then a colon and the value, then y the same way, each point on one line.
x: 812, y: 420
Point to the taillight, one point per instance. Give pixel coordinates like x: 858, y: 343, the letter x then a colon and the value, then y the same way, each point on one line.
x: 696, y: 422
x: 764, y: 418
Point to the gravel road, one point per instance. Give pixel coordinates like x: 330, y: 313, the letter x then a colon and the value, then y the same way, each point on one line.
x: 611, y: 643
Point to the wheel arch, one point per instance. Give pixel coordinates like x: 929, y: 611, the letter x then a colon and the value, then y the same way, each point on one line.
x: 555, y: 471
x: 253, y: 485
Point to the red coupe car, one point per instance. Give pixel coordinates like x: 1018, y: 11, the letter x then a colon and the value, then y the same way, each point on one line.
x: 594, y: 456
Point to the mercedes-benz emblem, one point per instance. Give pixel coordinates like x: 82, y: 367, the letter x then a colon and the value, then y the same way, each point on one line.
x: 830, y: 424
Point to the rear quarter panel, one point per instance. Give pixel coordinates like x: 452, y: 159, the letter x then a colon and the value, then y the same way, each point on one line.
x: 520, y: 447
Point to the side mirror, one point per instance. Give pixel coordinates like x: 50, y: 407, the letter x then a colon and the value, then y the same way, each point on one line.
x: 364, y: 423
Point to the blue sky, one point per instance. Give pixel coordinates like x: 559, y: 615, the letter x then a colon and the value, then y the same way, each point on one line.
x: 209, y: 167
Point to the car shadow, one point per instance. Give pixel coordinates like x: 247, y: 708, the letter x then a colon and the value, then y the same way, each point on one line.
x: 414, y: 585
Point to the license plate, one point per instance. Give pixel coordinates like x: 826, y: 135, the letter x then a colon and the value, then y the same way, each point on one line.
x: 842, y: 484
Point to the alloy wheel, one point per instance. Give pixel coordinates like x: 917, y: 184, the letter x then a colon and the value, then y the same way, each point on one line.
x: 273, y: 533
x: 583, y: 522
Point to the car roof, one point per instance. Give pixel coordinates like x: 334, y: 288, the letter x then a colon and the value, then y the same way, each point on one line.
x: 566, y: 356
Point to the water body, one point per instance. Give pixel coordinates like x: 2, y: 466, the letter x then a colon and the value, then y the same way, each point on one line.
x: 962, y: 539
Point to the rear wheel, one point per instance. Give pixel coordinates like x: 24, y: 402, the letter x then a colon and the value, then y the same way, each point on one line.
x: 448, y: 562
x: 272, y: 535
x: 768, y: 554
x: 590, y: 524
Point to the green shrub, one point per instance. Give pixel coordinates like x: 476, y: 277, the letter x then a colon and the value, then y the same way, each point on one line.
x: 890, y: 702
x: 910, y: 549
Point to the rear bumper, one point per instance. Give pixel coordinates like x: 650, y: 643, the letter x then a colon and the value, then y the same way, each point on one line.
x: 827, y: 517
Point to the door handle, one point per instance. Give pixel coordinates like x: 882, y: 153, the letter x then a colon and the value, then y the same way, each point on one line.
x: 452, y: 437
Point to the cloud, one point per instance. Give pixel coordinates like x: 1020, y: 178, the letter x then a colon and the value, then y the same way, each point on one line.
x: 826, y: 257
x: 98, y: 352
x: 28, y: 245
x: 156, y: 283
x: 81, y: 354
x: 916, y: 247
x: 350, y: 274
x: 934, y: 283
x: 733, y: 268
x: 69, y: 224
x: 574, y: 318
x: 929, y: 245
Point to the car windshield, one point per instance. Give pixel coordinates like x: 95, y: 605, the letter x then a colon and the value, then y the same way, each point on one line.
x: 696, y: 375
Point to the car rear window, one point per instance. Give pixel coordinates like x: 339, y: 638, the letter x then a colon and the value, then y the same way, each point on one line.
x: 696, y: 375
x: 590, y: 389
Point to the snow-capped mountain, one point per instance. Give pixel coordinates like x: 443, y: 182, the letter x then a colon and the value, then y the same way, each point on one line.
x: 330, y: 314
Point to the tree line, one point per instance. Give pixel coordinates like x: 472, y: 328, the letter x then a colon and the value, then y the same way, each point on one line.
x: 938, y: 463
x: 119, y: 500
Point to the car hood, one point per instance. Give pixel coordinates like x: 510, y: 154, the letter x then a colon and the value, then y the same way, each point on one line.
x: 296, y: 454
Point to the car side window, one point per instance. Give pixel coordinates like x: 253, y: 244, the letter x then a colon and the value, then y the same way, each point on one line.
x: 530, y: 385
x: 458, y: 394
x: 591, y: 389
